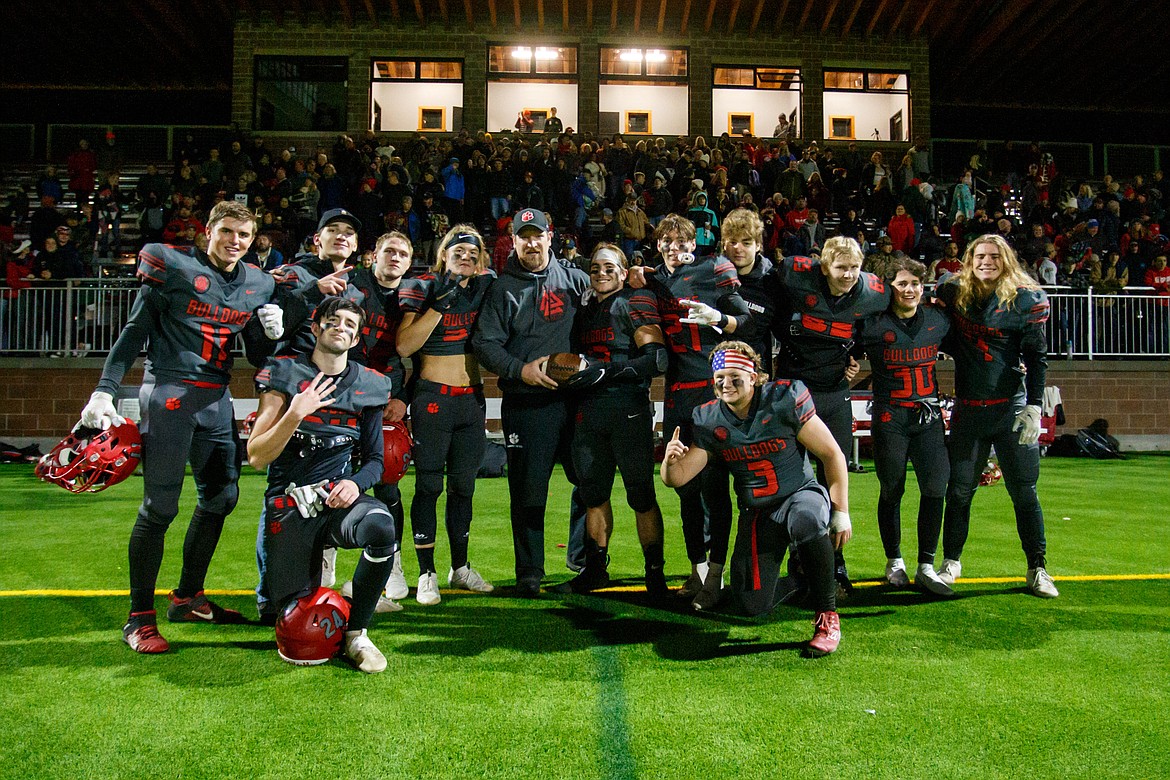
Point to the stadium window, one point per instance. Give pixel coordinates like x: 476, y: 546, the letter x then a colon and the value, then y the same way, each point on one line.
x: 646, y: 67
x: 514, y: 60
x: 876, y: 103
x: 401, y: 85
x: 638, y: 123
x: 748, y: 90
x: 739, y: 123
x: 300, y: 93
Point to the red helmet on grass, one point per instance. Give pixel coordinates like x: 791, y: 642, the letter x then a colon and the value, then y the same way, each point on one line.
x: 311, y: 629
x: 91, y: 460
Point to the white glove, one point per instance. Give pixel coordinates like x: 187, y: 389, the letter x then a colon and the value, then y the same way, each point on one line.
x: 702, y: 314
x: 308, y: 498
x: 271, y: 317
x: 587, y: 296
x: 839, y: 521
x: 1028, y: 424
x: 100, y: 412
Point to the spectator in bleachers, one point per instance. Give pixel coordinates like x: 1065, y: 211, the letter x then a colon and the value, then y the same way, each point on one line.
x: 236, y: 162
x: 807, y: 165
x: 963, y: 198
x: 880, y: 204
x: 634, y: 224
x: 930, y: 244
x: 181, y: 230
x: 1044, y: 269
x: 1084, y: 198
x: 878, y: 261
x: 819, y: 197
x: 49, y: 184
x: 19, y: 274
x: 454, y: 190
x: 810, y: 239
x: 44, y: 221
x: 950, y: 262
x: 109, y: 156
x: 69, y: 264
x: 332, y: 189
x: 213, y: 168
x: 263, y: 253
x: 82, y: 167
x: 791, y: 182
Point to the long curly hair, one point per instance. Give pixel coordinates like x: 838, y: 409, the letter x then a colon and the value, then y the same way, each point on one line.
x: 1011, y: 281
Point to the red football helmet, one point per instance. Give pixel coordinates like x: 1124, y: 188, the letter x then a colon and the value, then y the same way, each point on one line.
x: 91, y: 460
x: 247, y: 423
x: 396, y: 456
x: 311, y: 629
x: 991, y: 474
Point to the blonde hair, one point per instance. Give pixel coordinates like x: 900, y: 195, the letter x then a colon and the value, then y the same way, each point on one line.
x: 230, y: 209
x: 461, y: 229
x: 745, y: 349
x: 838, y: 247
x: 744, y: 224
x: 1013, y: 279
x: 385, y: 237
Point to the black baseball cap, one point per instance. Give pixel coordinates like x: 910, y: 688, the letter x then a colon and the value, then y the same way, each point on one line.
x: 339, y: 215
x: 529, y: 218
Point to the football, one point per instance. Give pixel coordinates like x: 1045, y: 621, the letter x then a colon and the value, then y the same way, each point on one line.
x: 563, y: 365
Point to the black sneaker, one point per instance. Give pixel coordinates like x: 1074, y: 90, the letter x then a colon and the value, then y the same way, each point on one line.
x: 592, y: 578
x: 200, y: 609
x: 656, y: 587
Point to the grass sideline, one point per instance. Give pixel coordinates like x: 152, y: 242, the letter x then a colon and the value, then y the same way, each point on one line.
x: 993, y: 684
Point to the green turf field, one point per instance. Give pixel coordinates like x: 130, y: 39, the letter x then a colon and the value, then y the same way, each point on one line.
x: 995, y: 684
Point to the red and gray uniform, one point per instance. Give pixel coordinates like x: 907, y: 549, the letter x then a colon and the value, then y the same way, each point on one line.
x: 779, y: 499
x: 815, y: 331
x: 528, y: 315
x: 187, y: 315
x: 325, y: 447
x: 758, y: 293
x: 299, y: 296
x: 907, y: 422
x: 615, y: 419
x: 712, y: 281
x: 1001, y: 363
x: 447, y: 420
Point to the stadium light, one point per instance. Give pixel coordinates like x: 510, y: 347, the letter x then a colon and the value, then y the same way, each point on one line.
x: 654, y: 55
x: 631, y: 55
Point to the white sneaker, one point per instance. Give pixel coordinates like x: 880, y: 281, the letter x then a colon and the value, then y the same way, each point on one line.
x: 1041, y: 584
x: 363, y: 653
x: 428, y: 590
x: 951, y: 570
x: 896, y: 572
x: 929, y: 580
x: 328, y: 567
x: 384, y: 604
x: 467, y: 578
x: 396, y: 587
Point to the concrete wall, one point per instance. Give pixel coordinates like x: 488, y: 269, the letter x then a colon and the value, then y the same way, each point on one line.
x: 505, y: 98
x: 400, y: 103
x: 667, y: 106
x: 766, y: 104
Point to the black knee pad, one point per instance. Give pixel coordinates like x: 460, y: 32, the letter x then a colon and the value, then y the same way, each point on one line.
x: 805, y: 525
x: 375, y: 531
x: 223, y: 502
x: 641, y: 496
x: 461, y: 484
x: 428, y: 484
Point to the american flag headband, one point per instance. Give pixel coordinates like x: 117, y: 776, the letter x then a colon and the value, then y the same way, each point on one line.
x: 728, y: 358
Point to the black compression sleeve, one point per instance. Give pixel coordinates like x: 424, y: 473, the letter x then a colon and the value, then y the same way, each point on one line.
x: 371, y: 448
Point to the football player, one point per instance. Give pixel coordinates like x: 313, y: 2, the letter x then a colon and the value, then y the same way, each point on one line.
x: 615, y: 420
x: 317, y: 412
x: 760, y: 431
x: 997, y: 315
x: 689, y: 304
x: 820, y: 305
x: 187, y: 314
x: 439, y: 314
x: 528, y: 316
x: 902, y: 345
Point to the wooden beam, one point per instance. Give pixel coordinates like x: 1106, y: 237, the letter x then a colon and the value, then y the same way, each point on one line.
x: 923, y: 17
x: 662, y: 15
x: 804, y: 15
x: 682, y: 30
x: 829, y: 16
x: 732, y: 14
x: 443, y: 13
x: 346, y: 12
x: 564, y: 15
x: 613, y: 15
x: 539, y: 15
x: 422, y: 17
x: 898, y: 19
x: 589, y: 14
x: 1009, y: 14
x: 873, y: 20
x: 516, y: 13
x: 849, y: 22
x: 780, y: 16
x: 470, y: 13
x: 710, y: 16
x: 371, y: 14
x: 492, y: 12
x: 637, y: 15
x: 395, y: 12
x: 756, y: 17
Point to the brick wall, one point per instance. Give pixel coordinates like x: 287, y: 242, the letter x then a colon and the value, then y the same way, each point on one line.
x: 43, y: 398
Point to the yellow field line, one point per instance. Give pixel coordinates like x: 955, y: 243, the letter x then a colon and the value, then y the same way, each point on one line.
x: 66, y: 592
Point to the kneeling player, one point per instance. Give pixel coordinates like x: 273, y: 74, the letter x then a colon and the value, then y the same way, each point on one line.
x: 754, y: 428
x: 615, y: 420
x: 316, y: 412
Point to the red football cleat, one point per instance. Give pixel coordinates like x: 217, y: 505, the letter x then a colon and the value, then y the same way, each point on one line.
x: 141, y: 633
x: 200, y: 609
x: 826, y: 634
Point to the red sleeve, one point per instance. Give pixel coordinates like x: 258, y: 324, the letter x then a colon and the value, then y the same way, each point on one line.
x: 644, y: 308
x: 152, y: 268
x: 412, y: 294
x: 725, y: 274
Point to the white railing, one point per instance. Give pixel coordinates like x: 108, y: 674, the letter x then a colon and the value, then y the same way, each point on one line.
x: 85, y: 316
